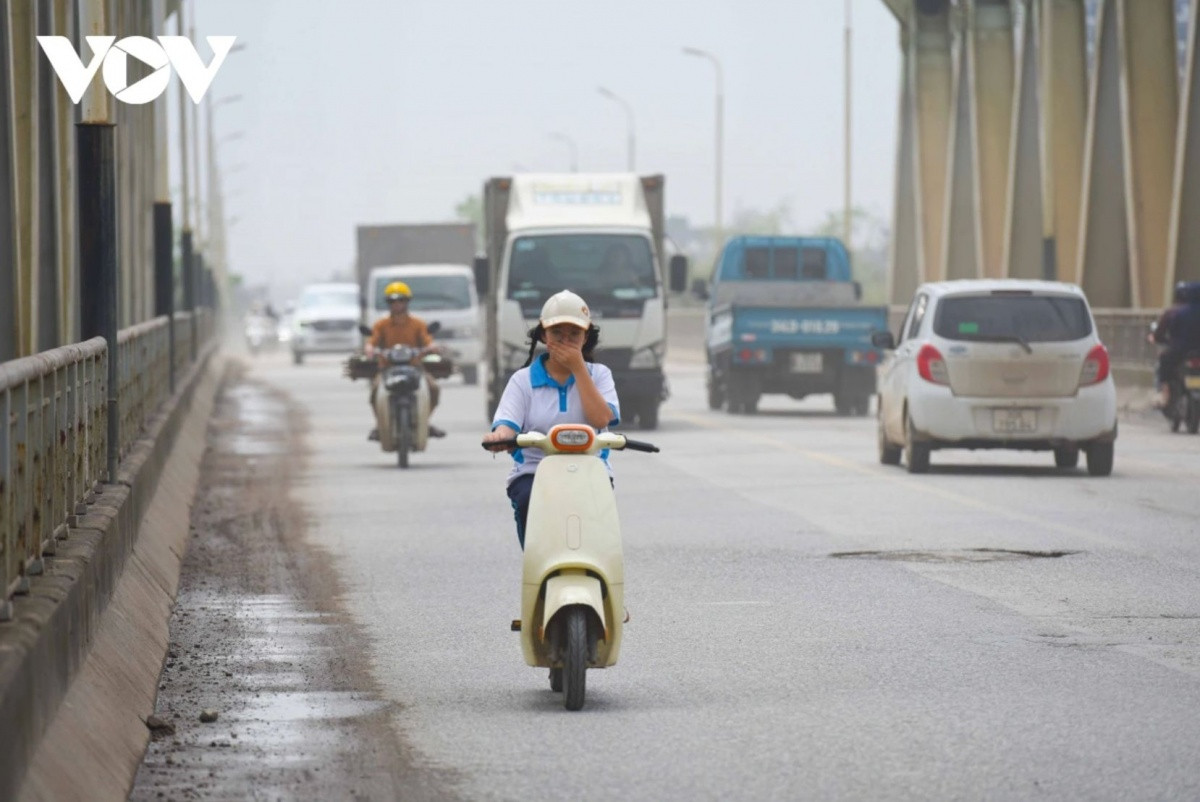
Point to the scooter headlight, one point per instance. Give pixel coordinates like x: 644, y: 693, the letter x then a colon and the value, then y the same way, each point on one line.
x: 572, y: 438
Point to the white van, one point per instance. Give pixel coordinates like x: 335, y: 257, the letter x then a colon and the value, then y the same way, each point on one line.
x: 441, y: 292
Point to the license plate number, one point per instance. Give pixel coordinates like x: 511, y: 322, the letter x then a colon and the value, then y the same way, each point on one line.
x: 1191, y: 382
x: 808, y: 363
x: 1014, y: 421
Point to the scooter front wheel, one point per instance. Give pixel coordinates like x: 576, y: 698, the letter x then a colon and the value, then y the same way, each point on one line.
x: 575, y: 654
x: 403, y: 434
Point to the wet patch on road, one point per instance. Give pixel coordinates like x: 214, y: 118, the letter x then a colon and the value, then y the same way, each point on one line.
x: 951, y: 555
x: 266, y: 692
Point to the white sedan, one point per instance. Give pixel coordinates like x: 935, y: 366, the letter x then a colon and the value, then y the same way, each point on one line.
x: 1009, y: 364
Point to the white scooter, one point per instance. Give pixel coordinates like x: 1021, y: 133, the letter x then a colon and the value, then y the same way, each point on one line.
x: 573, y: 579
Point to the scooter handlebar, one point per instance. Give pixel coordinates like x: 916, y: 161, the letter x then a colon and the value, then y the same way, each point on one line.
x: 536, y: 439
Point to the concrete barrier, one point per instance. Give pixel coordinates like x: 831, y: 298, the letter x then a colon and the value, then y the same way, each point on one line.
x: 44, y: 648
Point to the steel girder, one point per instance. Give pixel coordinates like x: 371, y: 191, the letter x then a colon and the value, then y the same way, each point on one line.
x: 1010, y: 162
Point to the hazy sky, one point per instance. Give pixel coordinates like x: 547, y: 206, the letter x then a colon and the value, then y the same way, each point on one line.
x: 370, y: 112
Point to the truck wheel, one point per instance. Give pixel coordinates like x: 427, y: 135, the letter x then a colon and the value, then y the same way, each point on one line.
x: 648, y: 415
x: 716, y: 393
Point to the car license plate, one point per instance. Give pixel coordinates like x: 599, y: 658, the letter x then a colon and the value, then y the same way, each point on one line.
x: 808, y: 363
x: 1014, y: 421
x: 1191, y: 382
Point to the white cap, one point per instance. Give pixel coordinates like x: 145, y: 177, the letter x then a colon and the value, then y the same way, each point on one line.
x: 566, y: 307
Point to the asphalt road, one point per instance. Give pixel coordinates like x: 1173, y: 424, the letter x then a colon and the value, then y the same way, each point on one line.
x: 769, y: 657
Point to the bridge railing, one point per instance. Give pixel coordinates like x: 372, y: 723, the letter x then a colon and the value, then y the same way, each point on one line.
x: 54, y: 431
x: 53, y: 435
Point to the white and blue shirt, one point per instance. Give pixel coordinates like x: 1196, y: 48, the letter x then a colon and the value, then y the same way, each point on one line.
x: 534, y: 402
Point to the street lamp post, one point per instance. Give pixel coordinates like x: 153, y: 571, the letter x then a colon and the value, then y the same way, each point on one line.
x: 570, y: 144
x: 720, y: 132
x: 629, y: 119
x: 215, y: 201
x: 847, y: 220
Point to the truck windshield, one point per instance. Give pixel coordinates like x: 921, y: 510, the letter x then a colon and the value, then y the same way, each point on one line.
x: 429, y: 292
x: 1013, y: 318
x: 614, y: 273
x: 316, y: 298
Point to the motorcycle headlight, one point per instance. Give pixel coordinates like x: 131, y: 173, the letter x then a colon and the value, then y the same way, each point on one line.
x: 647, y: 357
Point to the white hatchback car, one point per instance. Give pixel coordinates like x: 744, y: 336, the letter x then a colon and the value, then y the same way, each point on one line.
x: 997, y: 364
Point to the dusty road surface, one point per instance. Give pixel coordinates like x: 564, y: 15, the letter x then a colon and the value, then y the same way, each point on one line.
x: 258, y: 638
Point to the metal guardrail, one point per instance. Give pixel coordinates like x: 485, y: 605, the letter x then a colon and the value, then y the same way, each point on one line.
x: 54, y: 431
x: 53, y: 435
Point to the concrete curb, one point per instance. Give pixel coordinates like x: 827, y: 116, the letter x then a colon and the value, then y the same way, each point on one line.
x: 45, y: 645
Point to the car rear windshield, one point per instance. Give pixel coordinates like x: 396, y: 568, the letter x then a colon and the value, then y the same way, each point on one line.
x: 1027, y: 317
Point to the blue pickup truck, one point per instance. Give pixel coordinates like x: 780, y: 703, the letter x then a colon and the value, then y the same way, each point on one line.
x: 784, y: 316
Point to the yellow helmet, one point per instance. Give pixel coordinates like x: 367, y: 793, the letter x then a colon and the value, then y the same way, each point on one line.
x: 397, y: 289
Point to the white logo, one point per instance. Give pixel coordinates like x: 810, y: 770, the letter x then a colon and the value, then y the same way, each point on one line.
x: 160, y: 56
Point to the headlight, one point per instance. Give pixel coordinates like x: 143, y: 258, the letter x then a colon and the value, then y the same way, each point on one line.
x: 647, y: 357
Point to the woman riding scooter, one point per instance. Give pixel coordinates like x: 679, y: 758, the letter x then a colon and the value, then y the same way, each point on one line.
x: 563, y: 385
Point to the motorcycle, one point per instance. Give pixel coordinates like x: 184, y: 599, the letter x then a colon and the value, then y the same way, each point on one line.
x: 260, y: 333
x: 402, y: 404
x: 1183, y: 392
x: 1183, y: 395
x: 573, y: 574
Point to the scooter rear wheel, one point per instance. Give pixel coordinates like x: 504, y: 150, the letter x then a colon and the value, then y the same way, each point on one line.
x: 575, y: 654
x: 1193, y: 415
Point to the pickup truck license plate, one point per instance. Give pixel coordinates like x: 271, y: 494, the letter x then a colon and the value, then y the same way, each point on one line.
x: 1014, y: 421
x: 1191, y: 382
x: 808, y: 363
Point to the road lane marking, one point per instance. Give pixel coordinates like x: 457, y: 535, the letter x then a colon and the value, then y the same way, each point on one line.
x: 909, y: 482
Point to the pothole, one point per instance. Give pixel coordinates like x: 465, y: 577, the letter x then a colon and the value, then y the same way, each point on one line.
x: 951, y: 555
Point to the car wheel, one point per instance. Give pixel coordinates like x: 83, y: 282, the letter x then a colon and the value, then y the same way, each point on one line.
x: 297, y: 357
x: 470, y: 374
x: 889, y: 454
x: 916, y: 452
x: 1066, y: 456
x: 1100, y: 459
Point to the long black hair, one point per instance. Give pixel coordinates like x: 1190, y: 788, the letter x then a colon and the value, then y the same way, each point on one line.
x: 538, y: 335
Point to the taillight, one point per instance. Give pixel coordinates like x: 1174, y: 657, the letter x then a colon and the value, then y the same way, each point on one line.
x: 1095, y: 366
x: 1193, y: 363
x: 931, y: 366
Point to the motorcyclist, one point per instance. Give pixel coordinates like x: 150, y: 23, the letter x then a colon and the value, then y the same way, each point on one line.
x: 563, y: 385
x: 401, y: 328
x: 1178, y: 329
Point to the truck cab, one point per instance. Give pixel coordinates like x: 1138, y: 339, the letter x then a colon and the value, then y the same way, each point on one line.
x: 784, y: 316
x: 599, y: 235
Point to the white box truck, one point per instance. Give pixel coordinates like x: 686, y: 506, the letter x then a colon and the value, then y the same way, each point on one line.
x: 599, y: 235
